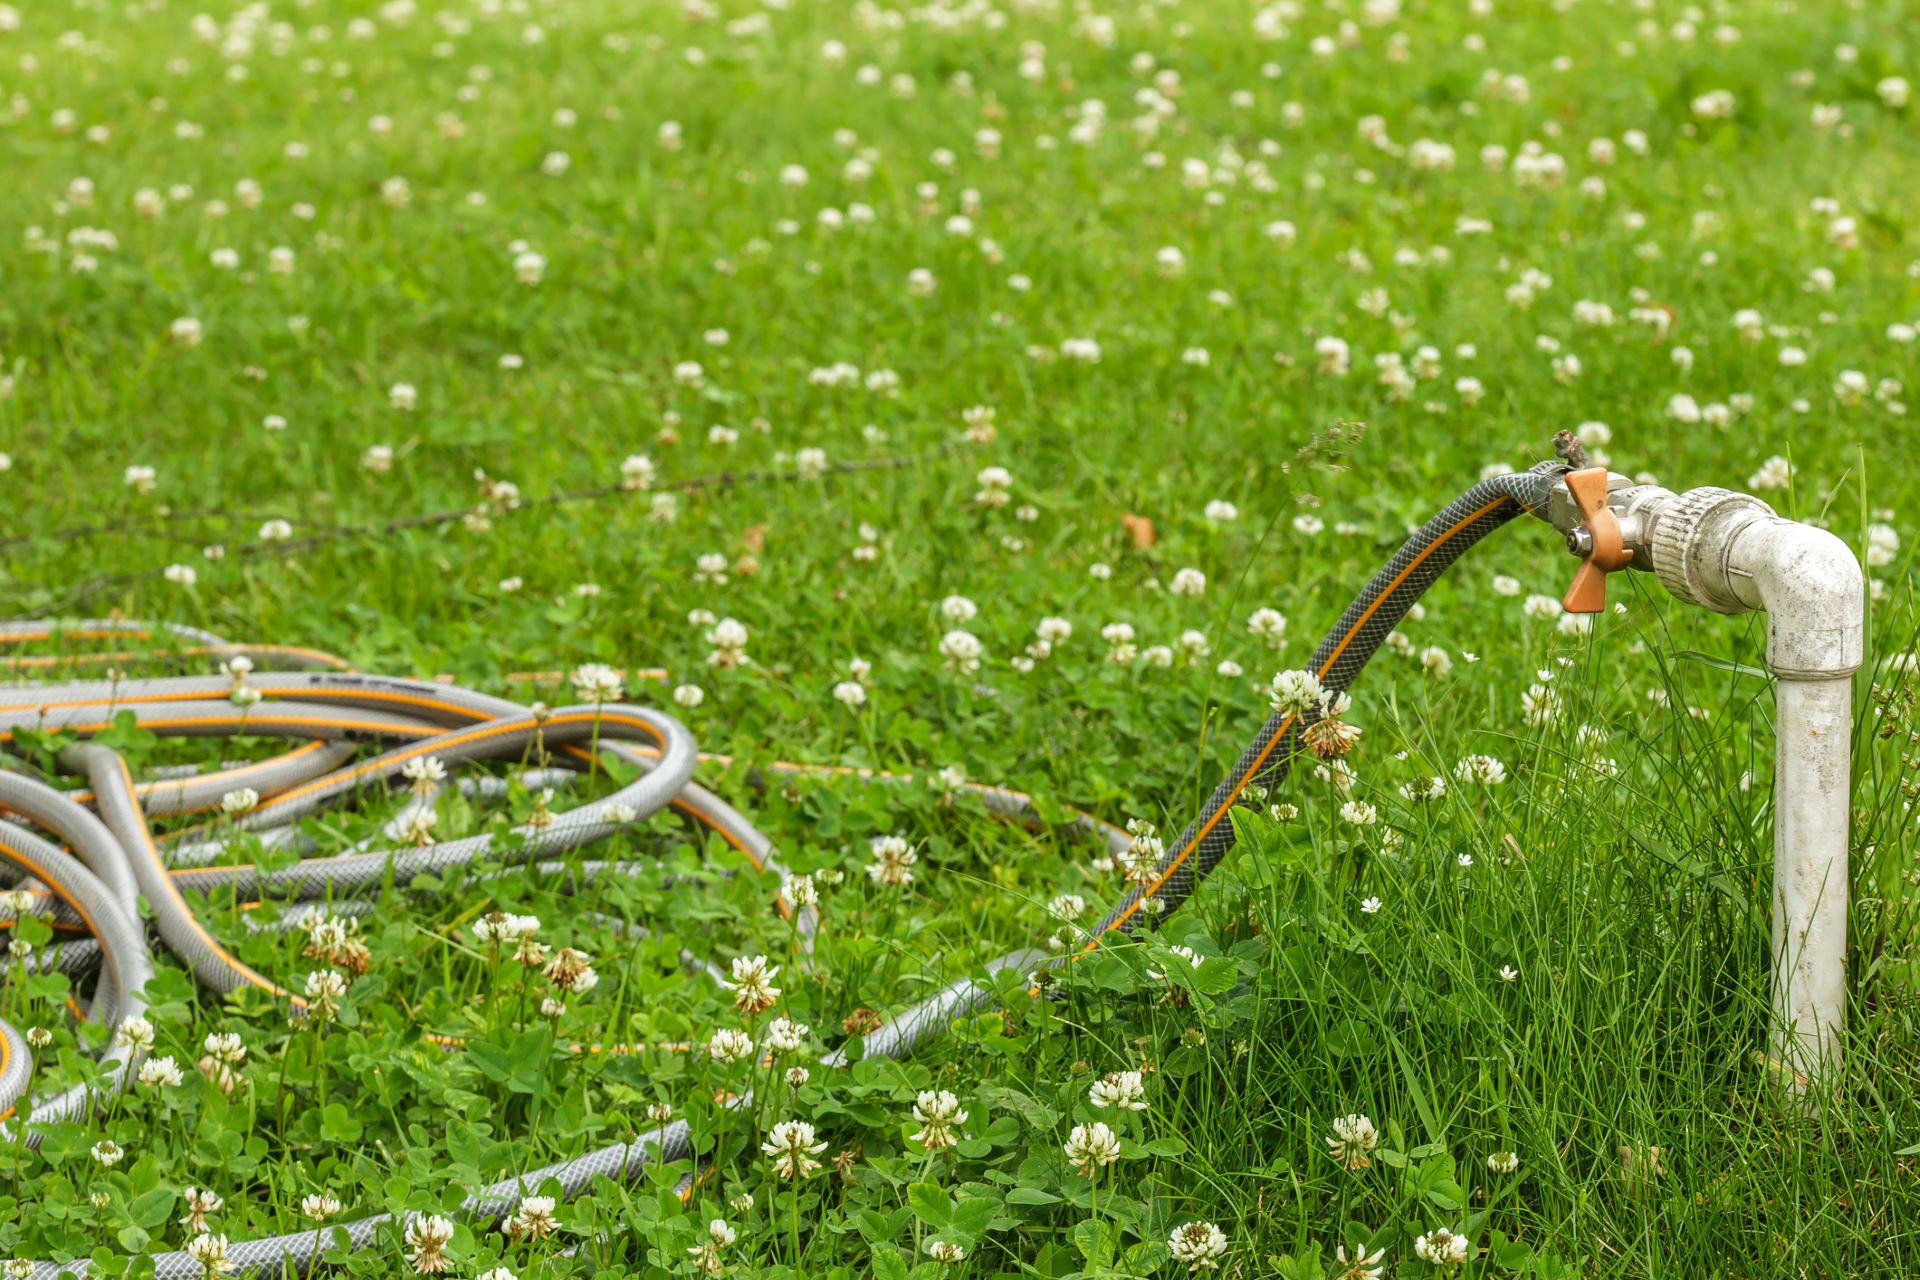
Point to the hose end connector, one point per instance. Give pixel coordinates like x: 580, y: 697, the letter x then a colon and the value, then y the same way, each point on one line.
x: 1692, y: 540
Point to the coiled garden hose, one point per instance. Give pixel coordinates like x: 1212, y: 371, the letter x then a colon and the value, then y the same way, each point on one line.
x: 336, y: 714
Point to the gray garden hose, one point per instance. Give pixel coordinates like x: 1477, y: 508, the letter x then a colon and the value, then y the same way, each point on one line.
x: 123, y: 951
x: 334, y: 716
x: 425, y: 718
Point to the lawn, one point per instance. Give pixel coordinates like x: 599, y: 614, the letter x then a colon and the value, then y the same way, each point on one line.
x: 982, y: 394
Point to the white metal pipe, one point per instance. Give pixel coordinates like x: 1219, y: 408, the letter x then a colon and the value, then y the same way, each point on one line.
x: 1810, y: 802
x: 1730, y: 553
x: 1814, y: 594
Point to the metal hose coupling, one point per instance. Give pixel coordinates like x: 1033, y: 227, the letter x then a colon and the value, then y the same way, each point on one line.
x: 1724, y: 551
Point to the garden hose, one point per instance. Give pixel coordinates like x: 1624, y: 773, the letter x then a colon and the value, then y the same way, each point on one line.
x: 1336, y: 662
x: 333, y: 715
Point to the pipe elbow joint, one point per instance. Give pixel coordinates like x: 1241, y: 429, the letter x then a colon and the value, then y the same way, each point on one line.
x: 1730, y: 553
x: 1814, y: 593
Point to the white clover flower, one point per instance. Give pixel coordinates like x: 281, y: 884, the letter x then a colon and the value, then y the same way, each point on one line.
x: 994, y: 484
x: 729, y: 1045
x: 1193, y: 958
x: 1200, y: 1245
x: 325, y: 988
x: 1352, y: 1138
x: 938, y: 1113
x: 1334, y: 355
x: 210, y: 1251
x: 532, y: 1220
x: 416, y: 827
x: 1297, y: 693
x: 850, y: 693
x: 958, y: 610
x: 1188, y: 582
x: 1092, y: 1147
x: 961, y: 650
x: 424, y: 773
x: 1361, y: 1265
x: 1268, y: 624
x: 427, y: 1237
x: 1053, y: 632
x: 1486, y: 771
x: 791, y: 1146
x: 787, y: 1036
x: 225, y: 1047
x: 596, y: 682
x: 893, y: 861
x: 1123, y: 1090
x: 160, y: 1073
x: 1441, y: 1247
x: 1717, y: 104
x: 637, y: 472
x: 753, y: 989
x: 199, y: 1204
x: 1067, y: 906
x: 239, y: 800
x: 1883, y: 544
x: 319, y: 1207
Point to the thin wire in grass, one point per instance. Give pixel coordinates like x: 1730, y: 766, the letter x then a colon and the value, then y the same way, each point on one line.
x: 91, y: 587
x: 145, y: 527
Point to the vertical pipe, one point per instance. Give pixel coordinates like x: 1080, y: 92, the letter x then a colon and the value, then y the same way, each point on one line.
x: 1811, y: 773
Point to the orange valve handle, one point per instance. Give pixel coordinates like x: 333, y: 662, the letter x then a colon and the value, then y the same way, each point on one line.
x: 1597, y: 540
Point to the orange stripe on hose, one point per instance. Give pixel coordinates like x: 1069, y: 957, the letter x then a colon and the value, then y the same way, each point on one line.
x: 145, y: 789
x: 40, y: 873
x: 41, y: 662
x: 1259, y: 761
x: 6, y: 735
x: 212, y: 943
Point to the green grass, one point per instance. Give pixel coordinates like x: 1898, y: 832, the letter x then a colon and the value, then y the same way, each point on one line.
x: 1630, y: 902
